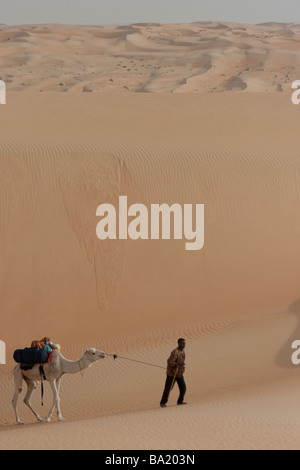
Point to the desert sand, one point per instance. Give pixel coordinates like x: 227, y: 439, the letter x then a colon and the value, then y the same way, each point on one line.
x: 208, y: 139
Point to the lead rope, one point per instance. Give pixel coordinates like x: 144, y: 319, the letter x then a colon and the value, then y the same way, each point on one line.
x: 134, y: 360
x: 81, y: 371
x: 43, y: 377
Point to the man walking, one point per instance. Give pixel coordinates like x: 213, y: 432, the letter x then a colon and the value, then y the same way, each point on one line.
x: 175, y: 371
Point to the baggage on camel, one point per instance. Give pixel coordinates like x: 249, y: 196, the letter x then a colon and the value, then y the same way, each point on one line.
x: 31, y: 356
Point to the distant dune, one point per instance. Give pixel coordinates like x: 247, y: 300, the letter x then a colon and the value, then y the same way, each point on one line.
x: 149, y: 57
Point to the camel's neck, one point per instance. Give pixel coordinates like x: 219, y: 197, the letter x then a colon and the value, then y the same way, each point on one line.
x: 72, y: 367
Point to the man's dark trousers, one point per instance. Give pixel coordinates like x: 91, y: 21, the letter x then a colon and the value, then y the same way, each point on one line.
x: 182, y: 387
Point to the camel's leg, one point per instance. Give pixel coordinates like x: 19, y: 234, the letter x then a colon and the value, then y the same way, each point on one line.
x: 59, y: 415
x: 18, y: 379
x: 55, y: 385
x: 31, y: 386
x: 15, y: 402
x: 48, y: 417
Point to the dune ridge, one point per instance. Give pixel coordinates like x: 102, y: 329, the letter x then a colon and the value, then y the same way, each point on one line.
x: 200, y: 57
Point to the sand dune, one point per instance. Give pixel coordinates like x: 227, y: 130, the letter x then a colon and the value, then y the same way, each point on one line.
x: 150, y: 57
x: 239, y: 394
x: 243, y: 186
x: 236, y: 301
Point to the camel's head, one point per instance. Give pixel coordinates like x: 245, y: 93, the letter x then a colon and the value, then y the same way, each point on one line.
x: 93, y: 354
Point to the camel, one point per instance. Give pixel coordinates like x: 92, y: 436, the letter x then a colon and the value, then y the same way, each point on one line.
x: 54, y: 371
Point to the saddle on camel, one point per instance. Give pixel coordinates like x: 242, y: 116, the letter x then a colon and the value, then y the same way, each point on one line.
x: 40, y: 352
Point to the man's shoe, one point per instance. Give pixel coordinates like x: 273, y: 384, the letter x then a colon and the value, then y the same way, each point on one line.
x: 182, y: 403
x: 163, y: 405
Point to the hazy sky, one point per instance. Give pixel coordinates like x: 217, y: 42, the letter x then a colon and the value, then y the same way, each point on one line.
x: 130, y: 11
